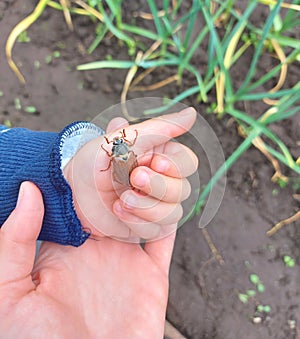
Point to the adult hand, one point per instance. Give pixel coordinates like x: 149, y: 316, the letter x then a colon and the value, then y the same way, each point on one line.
x: 152, y: 209
x: 102, y: 289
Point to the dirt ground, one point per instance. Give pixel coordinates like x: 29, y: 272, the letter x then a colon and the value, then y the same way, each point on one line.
x: 204, y: 300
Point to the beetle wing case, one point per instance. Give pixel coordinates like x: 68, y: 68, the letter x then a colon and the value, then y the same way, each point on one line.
x: 123, y: 168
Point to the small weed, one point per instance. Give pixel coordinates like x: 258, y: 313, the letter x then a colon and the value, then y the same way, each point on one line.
x: 288, y: 261
x: 260, y: 288
x: 48, y: 59
x: 263, y: 308
x: 56, y: 54
x: 30, y: 109
x: 251, y: 293
x: 257, y: 282
x: 17, y: 103
x: 1, y: 94
x: 244, y: 298
x: 282, y: 183
x: 254, y: 279
x: 23, y: 37
x: 7, y: 123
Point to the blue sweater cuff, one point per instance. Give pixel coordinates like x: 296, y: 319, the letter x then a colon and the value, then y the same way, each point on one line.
x: 37, y: 157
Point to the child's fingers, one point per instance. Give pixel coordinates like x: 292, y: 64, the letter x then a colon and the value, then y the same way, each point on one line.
x: 139, y: 227
x: 156, y: 131
x: 159, y: 186
x: 19, y: 233
x: 148, y: 208
x: 176, y: 160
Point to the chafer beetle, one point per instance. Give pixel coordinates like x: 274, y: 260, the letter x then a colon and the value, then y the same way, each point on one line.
x: 122, y: 158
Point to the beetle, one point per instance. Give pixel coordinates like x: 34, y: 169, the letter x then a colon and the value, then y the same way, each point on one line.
x: 122, y: 157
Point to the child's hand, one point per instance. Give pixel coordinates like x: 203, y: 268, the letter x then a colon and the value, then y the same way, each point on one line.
x: 153, y: 208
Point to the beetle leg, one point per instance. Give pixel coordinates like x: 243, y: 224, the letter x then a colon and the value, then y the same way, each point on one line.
x: 130, y: 143
x: 105, y: 169
x: 106, y: 151
x: 123, y: 134
x: 136, y: 135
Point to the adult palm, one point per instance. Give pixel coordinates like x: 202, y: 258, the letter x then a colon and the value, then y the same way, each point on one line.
x: 102, y: 289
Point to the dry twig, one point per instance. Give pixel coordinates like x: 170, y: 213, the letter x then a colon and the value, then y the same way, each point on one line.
x: 212, y: 247
x: 286, y: 221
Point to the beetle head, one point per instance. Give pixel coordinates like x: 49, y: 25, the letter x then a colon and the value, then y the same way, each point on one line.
x: 118, y: 141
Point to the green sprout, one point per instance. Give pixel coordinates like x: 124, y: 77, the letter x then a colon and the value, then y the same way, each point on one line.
x: 251, y: 293
x: 260, y: 288
x: 282, y: 183
x: 288, y: 261
x: 30, y: 109
x: 18, y: 105
x: 48, y: 59
x: 23, y: 37
x: 263, y: 308
x: 244, y: 297
x: 7, y: 123
x: 255, y: 280
x: 56, y: 54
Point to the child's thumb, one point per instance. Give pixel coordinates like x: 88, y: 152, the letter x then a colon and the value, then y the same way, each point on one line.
x: 19, y: 233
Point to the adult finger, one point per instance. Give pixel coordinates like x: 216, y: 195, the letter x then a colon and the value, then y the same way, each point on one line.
x: 19, y: 233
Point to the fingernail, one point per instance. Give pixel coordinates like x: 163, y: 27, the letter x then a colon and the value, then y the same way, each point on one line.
x: 117, y: 207
x: 141, y: 179
x: 129, y: 201
x: 187, y: 110
x: 20, y: 195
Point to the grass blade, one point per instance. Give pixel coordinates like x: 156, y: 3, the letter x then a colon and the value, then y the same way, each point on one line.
x: 105, y: 64
x: 17, y: 30
x: 259, y: 47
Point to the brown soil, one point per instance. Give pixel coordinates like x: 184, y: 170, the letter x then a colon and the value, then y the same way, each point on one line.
x: 203, y: 299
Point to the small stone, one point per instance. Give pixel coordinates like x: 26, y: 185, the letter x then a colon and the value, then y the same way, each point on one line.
x: 256, y: 320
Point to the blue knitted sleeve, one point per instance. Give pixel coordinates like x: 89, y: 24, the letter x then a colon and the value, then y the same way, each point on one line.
x: 39, y: 157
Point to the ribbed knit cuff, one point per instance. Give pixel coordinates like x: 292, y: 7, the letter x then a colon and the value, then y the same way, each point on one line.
x: 37, y: 157
x: 3, y: 128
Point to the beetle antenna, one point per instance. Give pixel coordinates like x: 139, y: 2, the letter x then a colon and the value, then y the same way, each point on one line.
x: 106, y: 139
